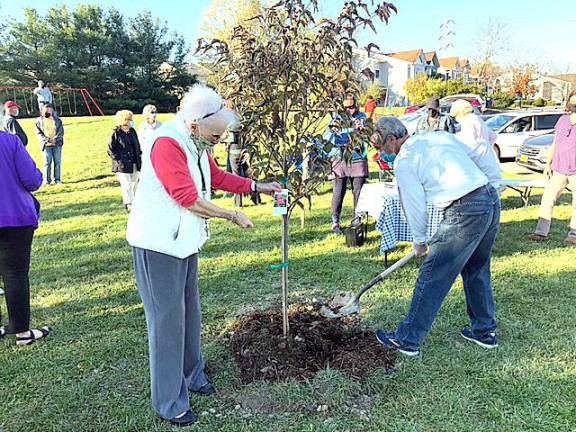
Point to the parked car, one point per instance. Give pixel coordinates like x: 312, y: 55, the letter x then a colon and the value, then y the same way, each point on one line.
x: 413, y: 108
x: 533, y: 154
x: 475, y: 99
x: 411, y: 120
x: 515, y: 127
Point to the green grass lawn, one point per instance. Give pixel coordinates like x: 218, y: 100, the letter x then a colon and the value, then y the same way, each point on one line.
x: 92, y: 373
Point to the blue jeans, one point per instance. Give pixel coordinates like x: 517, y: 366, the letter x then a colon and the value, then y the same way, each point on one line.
x: 52, y: 154
x: 462, y: 245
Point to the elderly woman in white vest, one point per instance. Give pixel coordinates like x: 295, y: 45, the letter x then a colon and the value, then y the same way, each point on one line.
x: 167, y: 227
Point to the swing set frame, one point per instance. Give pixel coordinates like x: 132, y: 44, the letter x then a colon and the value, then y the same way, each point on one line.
x: 30, y: 102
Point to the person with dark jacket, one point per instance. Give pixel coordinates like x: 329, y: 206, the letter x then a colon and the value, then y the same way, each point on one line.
x: 19, y: 213
x: 124, y: 149
x: 10, y: 123
x: 435, y: 120
x: 50, y: 131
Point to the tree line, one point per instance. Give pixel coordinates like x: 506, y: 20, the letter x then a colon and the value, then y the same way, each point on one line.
x: 124, y: 62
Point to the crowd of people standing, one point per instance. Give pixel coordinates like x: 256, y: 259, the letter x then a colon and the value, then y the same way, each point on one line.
x: 172, y: 167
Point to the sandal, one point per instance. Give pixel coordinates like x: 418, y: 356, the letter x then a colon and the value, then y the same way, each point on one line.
x: 31, y: 338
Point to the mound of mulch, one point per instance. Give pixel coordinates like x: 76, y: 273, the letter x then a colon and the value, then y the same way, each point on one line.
x: 314, y: 343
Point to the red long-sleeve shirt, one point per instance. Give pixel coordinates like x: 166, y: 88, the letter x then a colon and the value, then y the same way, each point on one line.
x: 171, y: 166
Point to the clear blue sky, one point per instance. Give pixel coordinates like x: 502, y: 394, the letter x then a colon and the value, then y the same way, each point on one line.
x: 539, y: 31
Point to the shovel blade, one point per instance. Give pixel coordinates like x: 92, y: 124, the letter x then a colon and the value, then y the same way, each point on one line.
x: 341, y: 305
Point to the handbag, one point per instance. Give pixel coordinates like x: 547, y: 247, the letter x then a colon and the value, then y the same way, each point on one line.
x: 357, y: 232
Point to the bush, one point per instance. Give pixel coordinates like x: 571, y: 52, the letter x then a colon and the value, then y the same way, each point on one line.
x: 539, y: 102
x: 373, y: 90
x: 502, y: 100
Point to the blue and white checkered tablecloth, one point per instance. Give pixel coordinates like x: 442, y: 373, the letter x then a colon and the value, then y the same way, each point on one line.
x: 394, y: 226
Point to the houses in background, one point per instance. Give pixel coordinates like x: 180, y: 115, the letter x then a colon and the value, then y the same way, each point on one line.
x: 457, y: 68
x: 551, y: 88
x: 391, y: 70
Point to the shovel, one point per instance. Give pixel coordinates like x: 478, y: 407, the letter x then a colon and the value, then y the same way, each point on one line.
x: 348, y: 304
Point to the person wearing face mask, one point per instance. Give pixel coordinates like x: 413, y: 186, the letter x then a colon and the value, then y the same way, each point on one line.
x: 464, y: 240
x: 10, y: 123
x: 149, y: 125
x: 561, y: 171
x: 50, y: 131
x: 434, y: 120
x: 124, y: 150
x: 167, y: 227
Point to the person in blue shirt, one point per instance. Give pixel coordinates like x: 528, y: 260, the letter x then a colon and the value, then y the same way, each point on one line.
x: 355, y: 171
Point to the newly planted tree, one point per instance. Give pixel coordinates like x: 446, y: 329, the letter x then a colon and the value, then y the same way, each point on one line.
x: 287, y: 72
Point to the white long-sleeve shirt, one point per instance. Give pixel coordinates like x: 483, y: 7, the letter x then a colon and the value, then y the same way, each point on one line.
x: 437, y: 168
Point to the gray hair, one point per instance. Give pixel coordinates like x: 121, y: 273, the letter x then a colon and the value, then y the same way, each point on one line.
x: 389, y: 125
x: 203, y: 106
x: 146, y: 110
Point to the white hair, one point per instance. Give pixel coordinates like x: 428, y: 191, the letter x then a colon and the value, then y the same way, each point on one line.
x: 148, y: 108
x: 203, y: 106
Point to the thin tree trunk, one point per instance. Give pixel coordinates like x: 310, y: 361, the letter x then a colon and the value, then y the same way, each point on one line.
x: 285, y: 323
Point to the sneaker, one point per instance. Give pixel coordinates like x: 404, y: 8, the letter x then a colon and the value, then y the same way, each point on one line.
x: 570, y: 241
x: 537, y: 237
x: 187, y: 419
x: 336, y: 229
x: 206, y: 390
x: 487, y: 340
x: 389, y: 341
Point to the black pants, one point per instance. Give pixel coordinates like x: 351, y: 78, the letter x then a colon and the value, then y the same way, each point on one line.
x: 15, y: 248
x: 339, y: 185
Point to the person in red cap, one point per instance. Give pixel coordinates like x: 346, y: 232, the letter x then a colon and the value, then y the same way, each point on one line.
x: 10, y: 123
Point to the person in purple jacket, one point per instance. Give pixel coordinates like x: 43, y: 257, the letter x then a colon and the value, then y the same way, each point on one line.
x: 19, y: 212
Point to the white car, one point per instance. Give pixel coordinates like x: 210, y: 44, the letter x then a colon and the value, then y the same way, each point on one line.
x: 515, y: 127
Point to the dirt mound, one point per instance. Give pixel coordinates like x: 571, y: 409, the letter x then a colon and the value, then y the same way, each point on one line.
x: 314, y: 343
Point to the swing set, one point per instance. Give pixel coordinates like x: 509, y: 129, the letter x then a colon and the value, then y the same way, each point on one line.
x: 64, y: 100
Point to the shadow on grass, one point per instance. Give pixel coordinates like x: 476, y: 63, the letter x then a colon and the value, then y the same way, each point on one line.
x: 96, y: 177
x: 95, y: 207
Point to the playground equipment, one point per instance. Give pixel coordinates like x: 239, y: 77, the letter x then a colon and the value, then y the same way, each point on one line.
x: 66, y: 99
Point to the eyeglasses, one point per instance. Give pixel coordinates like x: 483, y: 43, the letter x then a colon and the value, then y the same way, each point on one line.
x: 215, y: 112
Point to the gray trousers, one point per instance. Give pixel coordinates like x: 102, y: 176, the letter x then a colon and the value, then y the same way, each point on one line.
x: 168, y: 287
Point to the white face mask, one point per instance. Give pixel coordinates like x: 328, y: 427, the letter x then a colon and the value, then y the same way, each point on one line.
x: 131, y: 123
x: 16, y: 113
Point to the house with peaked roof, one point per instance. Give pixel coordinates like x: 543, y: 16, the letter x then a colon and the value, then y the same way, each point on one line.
x: 391, y: 71
x: 455, y: 68
x: 432, y: 63
x: 404, y: 65
x: 449, y: 68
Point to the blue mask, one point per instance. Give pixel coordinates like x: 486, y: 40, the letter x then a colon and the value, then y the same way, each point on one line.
x: 388, y: 158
